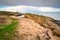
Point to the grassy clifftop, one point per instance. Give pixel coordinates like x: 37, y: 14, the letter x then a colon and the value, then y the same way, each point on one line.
x: 8, y: 24
x: 45, y: 21
x: 7, y: 31
x: 7, y: 13
x: 7, y: 27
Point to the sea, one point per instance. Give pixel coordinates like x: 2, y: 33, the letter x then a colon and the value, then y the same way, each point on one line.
x: 54, y: 15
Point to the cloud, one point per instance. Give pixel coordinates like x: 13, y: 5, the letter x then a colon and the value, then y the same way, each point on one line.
x: 49, y: 3
x: 31, y: 9
x: 49, y: 9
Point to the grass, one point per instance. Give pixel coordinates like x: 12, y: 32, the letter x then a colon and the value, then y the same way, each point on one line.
x: 8, y: 30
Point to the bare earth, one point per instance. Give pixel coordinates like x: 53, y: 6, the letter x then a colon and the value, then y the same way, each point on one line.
x: 29, y: 30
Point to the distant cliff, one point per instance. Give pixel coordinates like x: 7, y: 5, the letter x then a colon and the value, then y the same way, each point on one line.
x: 7, y: 13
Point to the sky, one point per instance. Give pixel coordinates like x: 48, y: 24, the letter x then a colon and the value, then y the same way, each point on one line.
x: 33, y: 6
x: 40, y: 3
x: 34, y: 9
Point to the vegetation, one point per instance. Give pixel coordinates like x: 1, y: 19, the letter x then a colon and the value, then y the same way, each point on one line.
x: 8, y: 31
x: 7, y: 13
x: 45, y: 21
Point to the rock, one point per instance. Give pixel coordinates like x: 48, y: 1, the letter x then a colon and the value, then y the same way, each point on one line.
x: 46, y: 22
x: 29, y: 30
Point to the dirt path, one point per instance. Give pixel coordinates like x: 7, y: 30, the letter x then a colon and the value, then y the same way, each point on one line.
x: 29, y: 30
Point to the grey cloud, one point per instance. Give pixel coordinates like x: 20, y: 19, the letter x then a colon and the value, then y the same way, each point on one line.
x: 52, y: 3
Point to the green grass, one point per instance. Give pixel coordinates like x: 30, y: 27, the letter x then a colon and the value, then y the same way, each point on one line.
x: 8, y: 30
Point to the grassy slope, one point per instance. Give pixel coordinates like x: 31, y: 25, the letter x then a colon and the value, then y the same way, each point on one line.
x: 7, y: 32
x: 45, y: 21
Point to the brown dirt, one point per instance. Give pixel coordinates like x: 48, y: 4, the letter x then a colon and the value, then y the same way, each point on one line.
x: 4, y: 20
x: 29, y: 30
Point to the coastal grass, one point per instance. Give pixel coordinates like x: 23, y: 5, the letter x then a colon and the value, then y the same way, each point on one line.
x: 8, y: 30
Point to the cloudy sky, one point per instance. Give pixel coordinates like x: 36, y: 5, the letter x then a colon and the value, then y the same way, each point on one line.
x: 49, y: 3
x: 33, y: 6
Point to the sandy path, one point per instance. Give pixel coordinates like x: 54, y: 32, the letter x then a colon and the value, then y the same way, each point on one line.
x: 29, y: 30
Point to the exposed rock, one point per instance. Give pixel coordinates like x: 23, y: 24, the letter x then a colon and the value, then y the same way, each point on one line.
x: 45, y: 21
x: 31, y: 27
x: 29, y: 30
